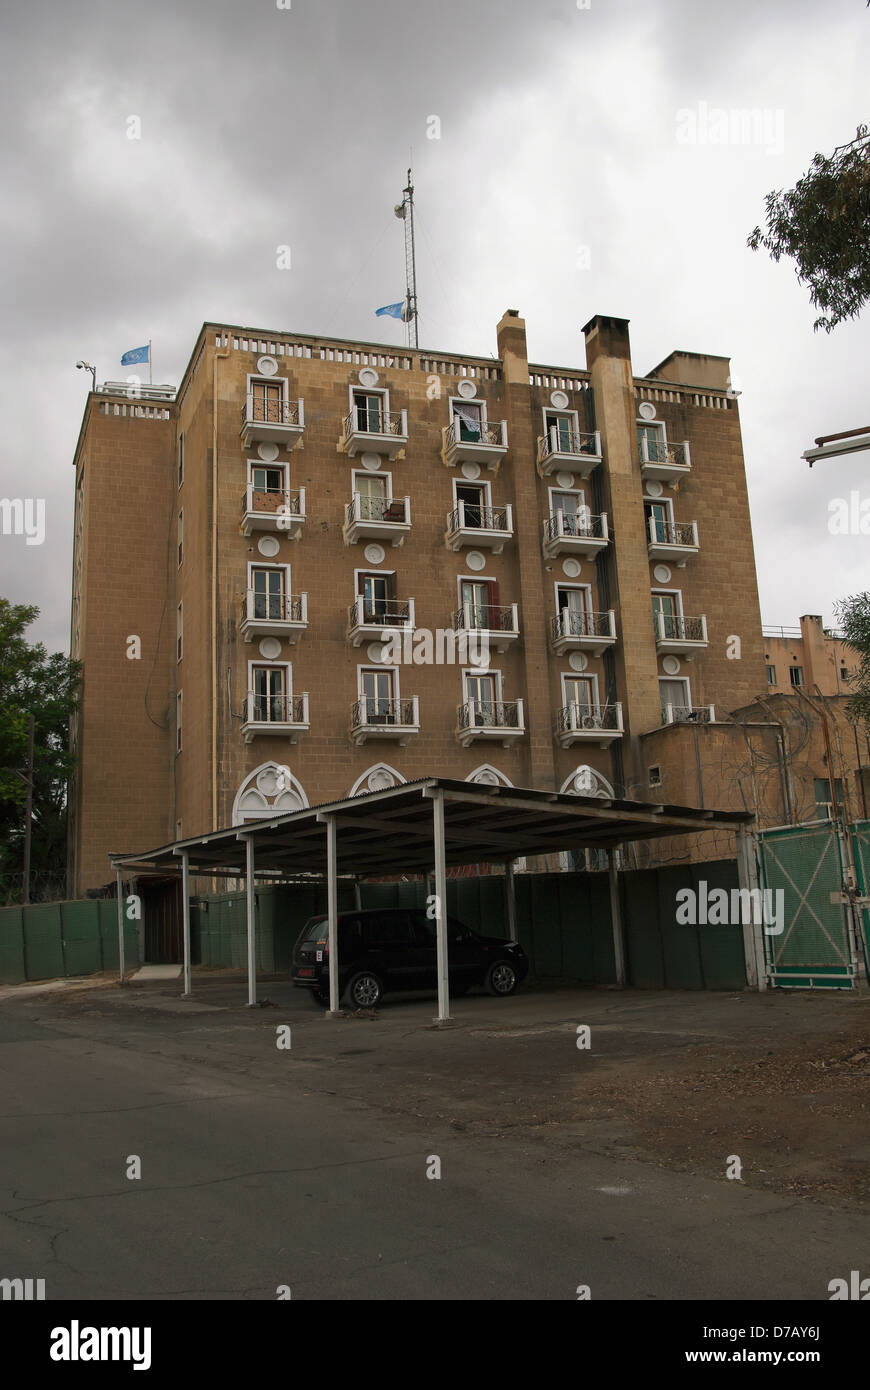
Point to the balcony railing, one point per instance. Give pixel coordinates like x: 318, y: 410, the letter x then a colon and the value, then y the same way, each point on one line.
x: 285, y: 715
x: 578, y: 629
x: 688, y: 714
x: 572, y: 450
x: 499, y: 621
x: 502, y: 720
x: 368, y: 618
x: 380, y: 431
x: 578, y: 723
x: 373, y: 717
x: 273, y: 509
x: 672, y: 627
x: 272, y: 419
x: 485, y: 442
x: 581, y: 532
x: 473, y: 524
x: 377, y: 518
x: 671, y: 537
x: 284, y: 615
x: 663, y: 459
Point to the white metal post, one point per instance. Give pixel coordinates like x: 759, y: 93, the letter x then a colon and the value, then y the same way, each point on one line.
x: 441, y: 905
x: 120, y: 926
x: 616, y: 920
x: 185, y: 895
x: 332, y: 909
x: 250, y: 903
x: 753, y: 940
x: 510, y: 885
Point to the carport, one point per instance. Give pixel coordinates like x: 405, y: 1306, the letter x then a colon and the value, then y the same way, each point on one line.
x: 421, y: 828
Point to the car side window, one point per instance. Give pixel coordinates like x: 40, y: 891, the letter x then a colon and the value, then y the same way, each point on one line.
x: 389, y: 930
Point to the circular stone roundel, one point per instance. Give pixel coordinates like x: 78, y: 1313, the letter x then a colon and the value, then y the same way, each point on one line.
x: 467, y: 389
x: 471, y: 471
x: 475, y: 560
x: 647, y: 411
x: 654, y: 489
x: 375, y: 652
x: 267, y: 452
x: 572, y: 568
x: 670, y: 666
x: 267, y: 366
x: 368, y: 377
x: 270, y: 648
x: 558, y: 400
x: 578, y: 661
x: 375, y: 554
x: 565, y: 479
x: 380, y: 780
x: 661, y: 574
x: 268, y: 545
x: 372, y: 462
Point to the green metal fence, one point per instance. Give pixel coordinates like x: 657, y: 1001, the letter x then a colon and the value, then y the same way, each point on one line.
x: 49, y: 941
x: 814, y: 950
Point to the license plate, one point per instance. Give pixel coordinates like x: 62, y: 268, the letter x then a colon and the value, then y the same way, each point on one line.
x: 306, y: 972
x: 319, y: 955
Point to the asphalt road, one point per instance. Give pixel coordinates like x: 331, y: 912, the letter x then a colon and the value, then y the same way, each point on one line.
x: 261, y: 1169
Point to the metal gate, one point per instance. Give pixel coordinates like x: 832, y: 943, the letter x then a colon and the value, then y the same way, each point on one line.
x: 861, y: 847
x: 815, y: 948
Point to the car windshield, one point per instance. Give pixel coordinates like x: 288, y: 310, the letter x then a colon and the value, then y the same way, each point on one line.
x: 315, y: 929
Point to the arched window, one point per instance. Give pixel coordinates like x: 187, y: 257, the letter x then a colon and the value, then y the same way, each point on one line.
x: 269, y: 790
x: 377, y: 779
x: 488, y: 776
x: 585, y: 781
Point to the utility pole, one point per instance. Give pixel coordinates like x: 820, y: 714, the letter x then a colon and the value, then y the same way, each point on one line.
x: 28, y: 781
x: 405, y: 211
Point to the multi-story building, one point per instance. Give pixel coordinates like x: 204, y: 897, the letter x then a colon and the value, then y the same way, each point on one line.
x: 810, y: 657
x: 285, y: 573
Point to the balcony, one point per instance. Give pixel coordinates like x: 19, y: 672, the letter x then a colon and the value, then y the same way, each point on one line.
x: 676, y: 541
x: 575, y: 533
x: 486, y: 444
x: 377, y: 519
x: 679, y: 636
x: 575, y: 631
x: 398, y: 720
x: 374, y: 621
x: 486, y: 528
x: 273, y: 615
x: 375, y: 432
x: 493, y: 625
x: 688, y: 714
x: 497, y: 720
x: 273, y: 509
x: 276, y: 422
x: 286, y: 716
x: 664, y: 462
x: 599, y: 724
x: 568, y: 451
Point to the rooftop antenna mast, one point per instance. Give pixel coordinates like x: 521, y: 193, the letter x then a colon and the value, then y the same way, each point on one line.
x: 405, y: 210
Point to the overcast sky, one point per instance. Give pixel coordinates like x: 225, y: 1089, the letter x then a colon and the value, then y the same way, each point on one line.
x: 561, y: 128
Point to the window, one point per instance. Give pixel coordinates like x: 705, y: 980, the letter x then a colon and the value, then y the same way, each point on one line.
x: 822, y: 795
x: 179, y: 632
x: 268, y: 586
x: 482, y: 693
x: 378, y: 694
x: 659, y: 518
x: 655, y: 776
x: 269, y: 685
x: 478, y: 601
x: 373, y: 491
x: 844, y: 673
x: 378, y: 593
x: 771, y: 675
x: 796, y: 675
x: 468, y: 420
x: 573, y: 517
x: 667, y: 613
x: 369, y: 411
x: 580, y: 696
x: 180, y: 459
x: 178, y: 721
x: 651, y: 443
x: 471, y: 503
x: 180, y: 536
x: 267, y: 401
x: 561, y: 429
x: 574, y: 605
x: 675, y: 697
x: 265, y: 479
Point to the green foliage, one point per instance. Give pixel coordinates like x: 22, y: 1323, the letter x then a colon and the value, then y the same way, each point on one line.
x: 32, y: 682
x: 853, y: 615
x: 824, y: 224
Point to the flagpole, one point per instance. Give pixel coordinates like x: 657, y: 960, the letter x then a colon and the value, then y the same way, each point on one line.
x: 149, y: 362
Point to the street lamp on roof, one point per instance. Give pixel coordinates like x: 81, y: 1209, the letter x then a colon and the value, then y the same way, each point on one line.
x: 86, y: 366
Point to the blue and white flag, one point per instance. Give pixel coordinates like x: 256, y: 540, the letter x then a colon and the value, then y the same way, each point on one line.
x: 135, y: 355
x: 394, y: 310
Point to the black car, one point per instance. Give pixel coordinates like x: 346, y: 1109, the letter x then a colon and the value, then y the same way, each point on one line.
x: 389, y: 949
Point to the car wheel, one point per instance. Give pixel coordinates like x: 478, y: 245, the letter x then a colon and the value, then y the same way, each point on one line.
x: 501, y: 978
x: 365, y: 990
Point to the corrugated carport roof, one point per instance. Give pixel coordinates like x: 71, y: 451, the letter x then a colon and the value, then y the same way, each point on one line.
x: 390, y: 831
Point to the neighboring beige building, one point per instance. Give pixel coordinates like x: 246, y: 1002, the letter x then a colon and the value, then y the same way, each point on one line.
x: 243, y: 547
x: 811, y: 658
